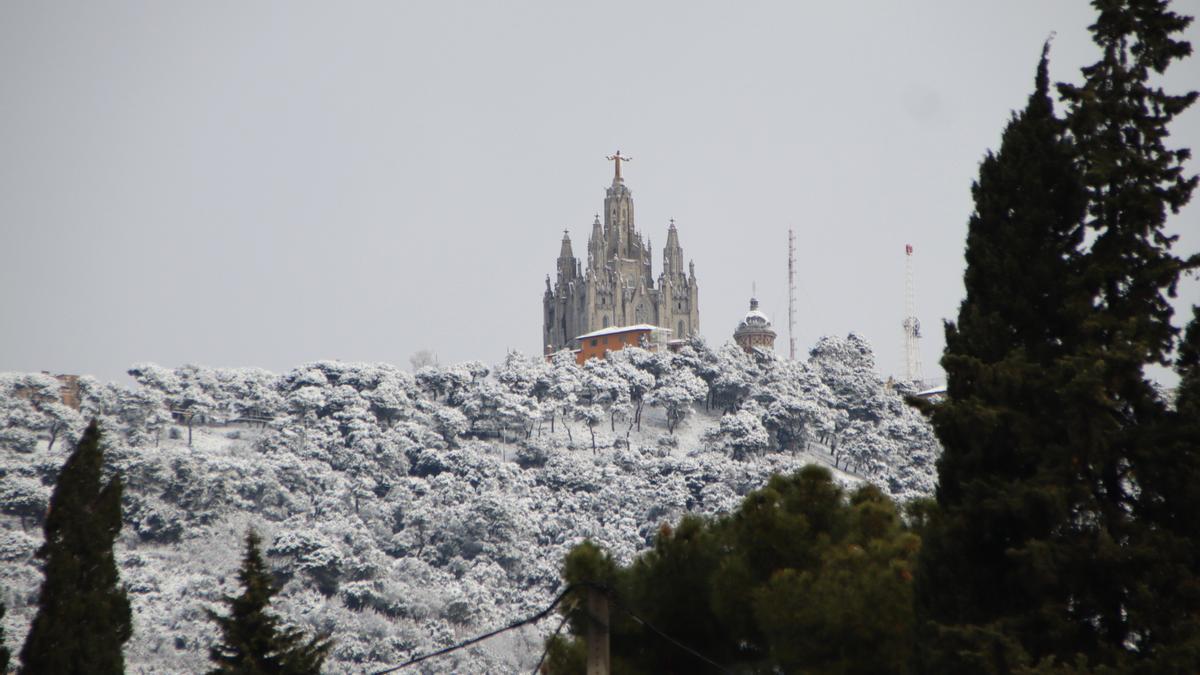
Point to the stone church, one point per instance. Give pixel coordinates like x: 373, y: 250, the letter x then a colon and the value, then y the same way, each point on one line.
x: 617, y: 286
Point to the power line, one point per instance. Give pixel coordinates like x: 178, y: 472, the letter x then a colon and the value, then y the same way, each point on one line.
x: 546, y: 651
x: 672, y: 640
x: 534, y: 618
x: 480, y: 638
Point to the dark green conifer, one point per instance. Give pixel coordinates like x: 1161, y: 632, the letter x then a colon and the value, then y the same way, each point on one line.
x: 1164, y: 607
x: 1127, y: 551
x: 983, y: 582
x: 1061, y: 540
x: 253, y: 642
x: 799, y: 579
x: 83, y: 616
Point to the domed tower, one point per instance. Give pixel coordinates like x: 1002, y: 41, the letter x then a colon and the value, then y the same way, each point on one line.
x: 755, y: 330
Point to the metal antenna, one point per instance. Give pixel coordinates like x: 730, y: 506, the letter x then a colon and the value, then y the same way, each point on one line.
x: 791, y: 295
x: 911, y: 324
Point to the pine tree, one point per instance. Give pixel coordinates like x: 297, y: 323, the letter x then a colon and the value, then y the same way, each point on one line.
x: 83, y: 616
x: 801, y: 578
x: 982, y: 581
x: 253, y: 641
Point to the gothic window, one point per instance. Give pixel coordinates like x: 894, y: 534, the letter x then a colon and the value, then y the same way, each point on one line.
x: 604, y: 322
x: 680, y: 333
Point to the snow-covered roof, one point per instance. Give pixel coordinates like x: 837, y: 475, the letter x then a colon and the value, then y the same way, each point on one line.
x: 935, y: 391
x: 755, y: 321
x: 613, y: 330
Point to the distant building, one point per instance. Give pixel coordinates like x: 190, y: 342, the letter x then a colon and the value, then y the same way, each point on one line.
x: 68, y: 391
x: 597, y: 343
x: 755, y: 332
x: 617, y: 287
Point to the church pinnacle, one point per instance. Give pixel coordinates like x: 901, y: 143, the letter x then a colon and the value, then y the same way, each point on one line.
x: 617, y: 286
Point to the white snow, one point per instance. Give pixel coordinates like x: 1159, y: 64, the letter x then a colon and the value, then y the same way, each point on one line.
x: 405, y: 511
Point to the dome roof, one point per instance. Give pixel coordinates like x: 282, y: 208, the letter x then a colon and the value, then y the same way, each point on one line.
x: 755, y: 321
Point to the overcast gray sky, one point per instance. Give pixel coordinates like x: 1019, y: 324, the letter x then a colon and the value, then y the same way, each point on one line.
x: 270, y: 183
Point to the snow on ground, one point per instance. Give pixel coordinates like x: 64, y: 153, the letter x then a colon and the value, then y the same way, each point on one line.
x: 401, y: 513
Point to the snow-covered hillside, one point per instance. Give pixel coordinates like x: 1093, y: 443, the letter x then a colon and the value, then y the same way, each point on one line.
x: 403, y: 512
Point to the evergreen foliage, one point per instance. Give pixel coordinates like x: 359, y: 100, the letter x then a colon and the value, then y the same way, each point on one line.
x: 83, y: 616
x: 253, y: 641
x: 983, y: 578
x: 1135, y: 563
x: 801, y: 578
x: 1061, y: 542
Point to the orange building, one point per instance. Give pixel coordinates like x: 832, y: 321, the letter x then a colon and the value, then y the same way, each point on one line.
x: 595, y: 344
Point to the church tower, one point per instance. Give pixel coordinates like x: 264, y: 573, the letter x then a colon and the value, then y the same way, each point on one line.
x: 617, y: 285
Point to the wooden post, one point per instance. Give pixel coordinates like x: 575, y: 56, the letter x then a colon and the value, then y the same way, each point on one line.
x: 597, y: 633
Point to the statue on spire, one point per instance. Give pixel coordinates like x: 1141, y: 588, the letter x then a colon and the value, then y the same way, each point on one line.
x: 618, y: 158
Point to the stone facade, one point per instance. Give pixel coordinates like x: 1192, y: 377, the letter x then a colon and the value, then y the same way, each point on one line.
x: 617, y: 286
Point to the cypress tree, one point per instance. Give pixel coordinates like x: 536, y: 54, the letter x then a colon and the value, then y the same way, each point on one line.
x: 984, y: 584
x: 83, y: 616
x: 1064, y: 536
x: 253, y: 641
x: 1127, y: 549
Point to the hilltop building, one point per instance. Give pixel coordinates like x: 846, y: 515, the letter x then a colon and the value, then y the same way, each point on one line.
x: 596, y: 344
x: 754, y: 331
x: 617, y: 286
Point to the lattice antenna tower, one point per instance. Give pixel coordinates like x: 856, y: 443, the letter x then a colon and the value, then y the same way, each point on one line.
x: 791, y: 295
x: 912, y: 325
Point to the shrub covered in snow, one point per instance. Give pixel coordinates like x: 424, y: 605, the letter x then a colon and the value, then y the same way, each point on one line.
x: 402, y: 512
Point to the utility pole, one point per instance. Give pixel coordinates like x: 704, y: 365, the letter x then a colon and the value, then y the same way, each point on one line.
x: 911, y: 324
x: 791, y: 295
x: 597, y: 632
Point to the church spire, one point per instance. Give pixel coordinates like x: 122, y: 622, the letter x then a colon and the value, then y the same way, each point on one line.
x: 673, y: 254
x: 565, y: 251
x: 596, y: 244
x: 568, y: 266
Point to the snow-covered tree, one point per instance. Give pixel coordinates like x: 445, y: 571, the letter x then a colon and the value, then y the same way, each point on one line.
x: 740, y: 433
x: 675, y: 393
